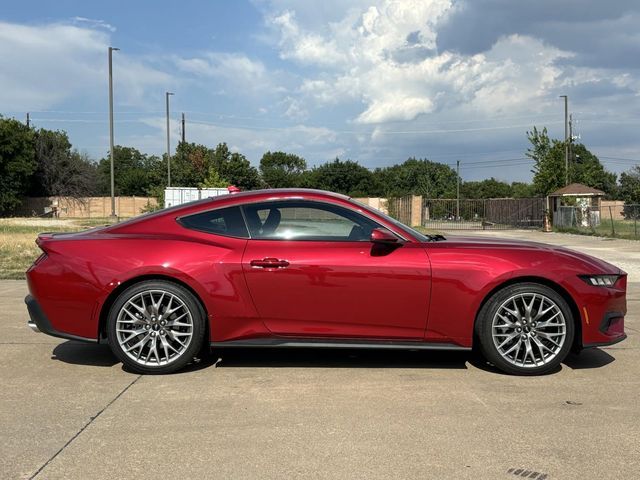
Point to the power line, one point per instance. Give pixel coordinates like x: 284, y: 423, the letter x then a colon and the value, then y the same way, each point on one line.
x: 635, y: 160
x: 249, y: 117
x: 495, y: 166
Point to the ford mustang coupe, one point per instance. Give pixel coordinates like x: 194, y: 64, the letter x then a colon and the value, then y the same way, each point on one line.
x: 307, y: 268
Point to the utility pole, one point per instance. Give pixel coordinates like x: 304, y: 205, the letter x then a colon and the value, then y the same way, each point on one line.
x: 28, y: 120
x: 113, y: 197
x: 167, y: 94
x: 571, y: 137
x: 571, y: 127
x: 458, y: 190
x: 183, y: 134
x: 566, y: 139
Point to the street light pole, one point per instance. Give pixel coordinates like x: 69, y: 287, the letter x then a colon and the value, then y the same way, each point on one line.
x: 458, y: 190
x: 113, y: 197
x: 168, y: 142
x: 566, y: 139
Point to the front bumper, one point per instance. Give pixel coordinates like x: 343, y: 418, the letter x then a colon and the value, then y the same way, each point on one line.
x: 611, y: 329
x: 38, y: 322
x: 607, y: 343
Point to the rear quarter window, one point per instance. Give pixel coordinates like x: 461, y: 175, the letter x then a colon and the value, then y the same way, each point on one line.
x: 223, y: 221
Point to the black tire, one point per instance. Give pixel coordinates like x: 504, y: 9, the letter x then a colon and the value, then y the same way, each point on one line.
x: 523, y: 292
x: 195, y: 316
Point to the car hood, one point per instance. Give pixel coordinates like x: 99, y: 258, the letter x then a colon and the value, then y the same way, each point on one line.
x: 595, y: 265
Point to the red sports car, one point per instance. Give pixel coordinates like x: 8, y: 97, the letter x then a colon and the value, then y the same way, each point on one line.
x: 300, y: 268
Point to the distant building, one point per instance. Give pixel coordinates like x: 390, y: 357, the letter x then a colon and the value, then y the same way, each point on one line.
x: 178, y: 195
x: 576, y: 205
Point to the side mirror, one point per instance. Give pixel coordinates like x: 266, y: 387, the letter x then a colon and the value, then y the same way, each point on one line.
x: 382, y: 235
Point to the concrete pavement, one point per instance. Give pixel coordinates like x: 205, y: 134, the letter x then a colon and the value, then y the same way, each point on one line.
x: 69, y: 410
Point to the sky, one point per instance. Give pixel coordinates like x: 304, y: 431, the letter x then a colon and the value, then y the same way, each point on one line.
x: 371, y: 81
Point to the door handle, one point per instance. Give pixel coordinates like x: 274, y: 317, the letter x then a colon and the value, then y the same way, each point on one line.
x: 269, y: 262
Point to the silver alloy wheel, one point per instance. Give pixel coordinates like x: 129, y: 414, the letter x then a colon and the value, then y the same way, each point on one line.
x: 529, y: 330
x: 154, y: 327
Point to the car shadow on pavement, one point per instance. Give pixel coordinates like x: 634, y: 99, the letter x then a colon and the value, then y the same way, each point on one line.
x: 78, y: 353
x: 334, y: 358
x: 589, y: 358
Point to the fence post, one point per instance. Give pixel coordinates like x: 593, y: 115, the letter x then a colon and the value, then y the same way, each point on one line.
x: 483, y: 217
x: 416, y: 210
x: 613, y: 228
x: 635, y: 221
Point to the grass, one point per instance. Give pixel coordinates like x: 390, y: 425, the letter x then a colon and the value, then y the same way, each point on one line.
x: 17, y: 240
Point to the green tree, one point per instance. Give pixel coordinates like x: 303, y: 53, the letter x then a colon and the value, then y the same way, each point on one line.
x: 548, y: 155
x: 60, y: 171
x: 213, y: 180
x: 489, y: 188
x: 346, y: 177
x: 586, y: 168
x: 282, y: 170
x: 235, y: 167
x: 549, y: 168
x: 523, y: 190
x: 417, y: 177
x: 134, y: 172
x: 190, y: 164
x: 630, y: 192
x: 17, y: 162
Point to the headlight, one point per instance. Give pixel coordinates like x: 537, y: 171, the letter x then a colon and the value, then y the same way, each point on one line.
x: 600, y: 280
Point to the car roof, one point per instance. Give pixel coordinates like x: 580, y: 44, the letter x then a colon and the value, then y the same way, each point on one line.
x: 288, y: 191
x: 229, y: 199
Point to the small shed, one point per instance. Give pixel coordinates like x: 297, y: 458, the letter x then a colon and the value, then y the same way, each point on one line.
x: 576, y: 205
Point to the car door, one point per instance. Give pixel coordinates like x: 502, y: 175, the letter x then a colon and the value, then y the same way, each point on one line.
x: 312, y: 270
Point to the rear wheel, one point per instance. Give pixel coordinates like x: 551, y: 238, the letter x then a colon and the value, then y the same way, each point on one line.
x: 156, y: 327
x: 526, y: 329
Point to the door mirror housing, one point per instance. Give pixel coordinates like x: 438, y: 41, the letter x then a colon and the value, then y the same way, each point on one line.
x: 384, y: 236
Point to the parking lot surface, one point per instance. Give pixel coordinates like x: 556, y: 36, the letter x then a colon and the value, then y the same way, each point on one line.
x: 68, y: 410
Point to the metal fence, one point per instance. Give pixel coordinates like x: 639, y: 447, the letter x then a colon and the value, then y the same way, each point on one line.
x: 606, y: 221
x: 400, y: 209
x: 482, y: 214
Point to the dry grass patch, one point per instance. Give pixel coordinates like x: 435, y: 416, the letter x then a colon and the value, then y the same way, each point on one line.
x: 18, y: 235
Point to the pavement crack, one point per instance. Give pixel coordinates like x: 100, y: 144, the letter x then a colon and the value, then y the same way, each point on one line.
x: 77, y: 434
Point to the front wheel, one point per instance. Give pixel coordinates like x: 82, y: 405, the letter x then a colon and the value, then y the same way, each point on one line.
x: 525, y: 329
x: 156, y: 327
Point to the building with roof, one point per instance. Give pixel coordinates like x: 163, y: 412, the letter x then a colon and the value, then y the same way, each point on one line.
x: 576, y: 205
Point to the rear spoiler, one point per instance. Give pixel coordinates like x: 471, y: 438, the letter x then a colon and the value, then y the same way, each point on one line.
x: 43, y: 239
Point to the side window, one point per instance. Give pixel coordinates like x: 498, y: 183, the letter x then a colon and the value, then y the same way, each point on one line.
x: 291, y: 220
x: 223, y: 221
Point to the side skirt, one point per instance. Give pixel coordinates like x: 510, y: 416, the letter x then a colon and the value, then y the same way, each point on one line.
x: 320, y: 343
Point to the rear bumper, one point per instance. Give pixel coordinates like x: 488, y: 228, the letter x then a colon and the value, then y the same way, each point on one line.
x: 38, y: 322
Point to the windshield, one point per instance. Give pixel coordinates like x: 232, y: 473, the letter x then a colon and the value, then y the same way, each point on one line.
x: 401, y: 226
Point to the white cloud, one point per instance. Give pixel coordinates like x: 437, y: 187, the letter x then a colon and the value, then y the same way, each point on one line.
x: 393, y: 107
x: 93, y: 23
x: 42, y: 66
x: 224, y: 65
x: 384, y: 67
x: 294, y: 109
x: 385, y: 56
x: 233, y: 74
x: 252, y: 141
x: 308, y: 48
